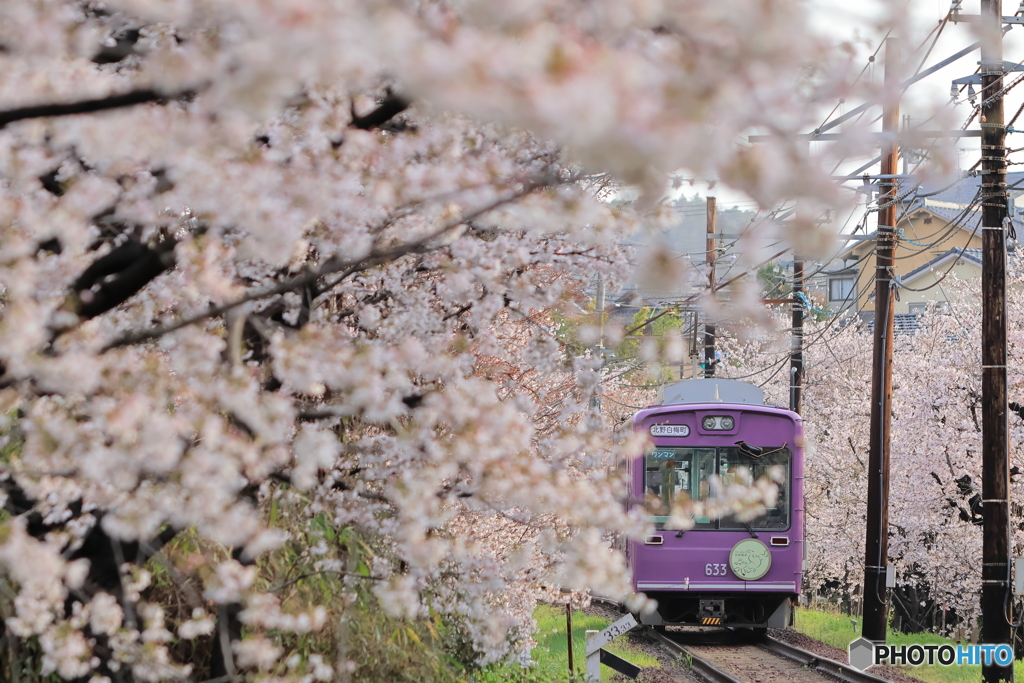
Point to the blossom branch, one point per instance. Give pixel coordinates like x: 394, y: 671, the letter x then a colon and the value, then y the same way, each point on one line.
x: 336, y: 264
x: 390, y: 107
x: 120, y: 101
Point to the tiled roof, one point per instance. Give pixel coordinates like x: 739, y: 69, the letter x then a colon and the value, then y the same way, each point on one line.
x: 902, y: 323
x: 950, y: 203
x: 963, y: 192
x: 968, y: 254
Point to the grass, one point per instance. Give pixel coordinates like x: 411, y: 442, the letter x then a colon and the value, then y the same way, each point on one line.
x: 552, y: 652
x: 837, y: 630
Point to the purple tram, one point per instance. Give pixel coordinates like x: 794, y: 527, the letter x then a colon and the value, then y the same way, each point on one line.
x: 722, y: 571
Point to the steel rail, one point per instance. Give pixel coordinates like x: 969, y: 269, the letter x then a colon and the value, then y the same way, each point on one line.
x: 823, y: 665
x: 700, y: 666
x: 826, y: 667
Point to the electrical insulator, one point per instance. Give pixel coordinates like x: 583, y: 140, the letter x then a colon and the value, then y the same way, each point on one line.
x: 954, y: 92
x: 971, y: 95
x: 954, y: 10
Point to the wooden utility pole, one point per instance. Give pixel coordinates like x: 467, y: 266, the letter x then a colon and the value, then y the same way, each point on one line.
x: 796, y: 343
x: 712, y: 245
x: 995, y: 493
x: 568, y: 635
x: 877, y: 537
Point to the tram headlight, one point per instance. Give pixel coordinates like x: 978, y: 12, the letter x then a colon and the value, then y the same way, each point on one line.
x: 718, y: 423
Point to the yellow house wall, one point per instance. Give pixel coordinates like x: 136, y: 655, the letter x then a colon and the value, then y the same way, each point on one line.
x: 910, y: 257
x: 962, y: 269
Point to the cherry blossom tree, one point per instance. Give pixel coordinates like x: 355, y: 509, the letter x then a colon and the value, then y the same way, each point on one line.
x: 935, y: 472
x: 306, y: 257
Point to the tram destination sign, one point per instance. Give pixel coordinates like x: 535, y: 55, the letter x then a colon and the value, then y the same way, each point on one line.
x: 670, y: 430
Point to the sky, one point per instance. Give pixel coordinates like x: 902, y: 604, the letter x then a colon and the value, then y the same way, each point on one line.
x: 857, y: 21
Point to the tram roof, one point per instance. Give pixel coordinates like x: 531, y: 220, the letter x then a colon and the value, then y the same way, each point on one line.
x: 711, y: 390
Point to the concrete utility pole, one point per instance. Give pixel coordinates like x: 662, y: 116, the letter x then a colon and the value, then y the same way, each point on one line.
x: 876, y: 556
x: 712, y: 244
x: 995, y: 492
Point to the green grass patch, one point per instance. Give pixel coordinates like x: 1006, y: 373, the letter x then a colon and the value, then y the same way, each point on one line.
x: 552, y: 651
x: 831, y: 628
x: 837, y: 630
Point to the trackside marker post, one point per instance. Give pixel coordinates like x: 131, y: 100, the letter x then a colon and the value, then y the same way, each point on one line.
x: 616, y: 663
x: 598, y: 639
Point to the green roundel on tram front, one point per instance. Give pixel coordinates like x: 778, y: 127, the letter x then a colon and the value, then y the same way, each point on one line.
x: 750, y: 559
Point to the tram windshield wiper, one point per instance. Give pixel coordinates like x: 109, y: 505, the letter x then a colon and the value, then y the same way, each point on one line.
x: 750, y: 529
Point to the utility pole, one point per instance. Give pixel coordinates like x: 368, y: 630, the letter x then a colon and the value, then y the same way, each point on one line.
x: 694, y: 351
x: 876, y: 556
x: 712, y: 243
x: 995, y: 493
x: 906, y: 157
x: 568, y: 635
x: 796, y: 343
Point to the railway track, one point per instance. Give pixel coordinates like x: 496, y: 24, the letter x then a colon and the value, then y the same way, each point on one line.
x: 765, y: 661
x: 734, y: 657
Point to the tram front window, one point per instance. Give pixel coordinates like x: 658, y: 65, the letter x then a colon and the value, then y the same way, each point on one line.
x: 729, y: 462
x: 673, y: 476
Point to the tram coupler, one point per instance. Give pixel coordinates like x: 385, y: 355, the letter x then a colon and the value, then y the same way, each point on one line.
x: 712, y: 612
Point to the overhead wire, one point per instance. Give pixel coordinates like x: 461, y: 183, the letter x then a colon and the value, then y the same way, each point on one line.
x: 948, y: 270
x: 874, y: 55
x: 809, y: 343
x: 867, y: 65
x: 950, y: 226
x: 941, y: 27
x: 947, y: 230
x: 806, y: 346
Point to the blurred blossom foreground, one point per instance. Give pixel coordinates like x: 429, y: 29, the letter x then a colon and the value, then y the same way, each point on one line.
x: 284, y: 292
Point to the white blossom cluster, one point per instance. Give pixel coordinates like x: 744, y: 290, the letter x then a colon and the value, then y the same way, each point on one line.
x: 322, y: 261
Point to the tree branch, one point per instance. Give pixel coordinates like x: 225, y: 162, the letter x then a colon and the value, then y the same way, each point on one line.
x: 335, y: 264
x: 460, y: 311
x: 120, y: 101
x: 391, y: 106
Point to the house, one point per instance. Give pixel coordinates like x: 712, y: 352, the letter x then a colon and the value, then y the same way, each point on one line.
x: 939, y: 233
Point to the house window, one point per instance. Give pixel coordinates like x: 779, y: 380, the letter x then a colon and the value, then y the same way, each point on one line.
x: 840, y: 288
x: 919, y: 308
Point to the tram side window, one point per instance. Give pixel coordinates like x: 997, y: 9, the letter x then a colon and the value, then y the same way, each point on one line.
x: 730, y: 459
